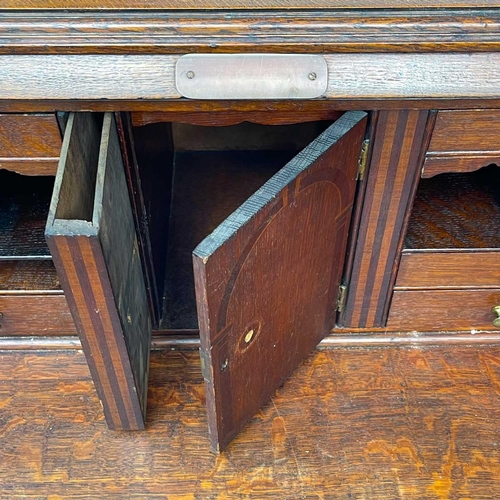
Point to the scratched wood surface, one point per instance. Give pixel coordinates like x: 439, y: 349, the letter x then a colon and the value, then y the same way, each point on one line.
x: 151, y: 76
x: 350, y: 423
x: 241, y: 4
x: 323, y: 31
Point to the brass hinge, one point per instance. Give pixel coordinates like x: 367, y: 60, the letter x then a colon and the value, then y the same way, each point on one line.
x: 341, y: 298
x: 363, y: 159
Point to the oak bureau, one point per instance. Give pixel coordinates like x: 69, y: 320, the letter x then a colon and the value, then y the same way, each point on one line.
x: 253, y: 177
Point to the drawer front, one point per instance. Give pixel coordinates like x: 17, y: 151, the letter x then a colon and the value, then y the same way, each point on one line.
x: 466, y: 131
x: 434, y: 310
x: 475, y: 269
x: 463, y: 141
x: 30, y: 144
x: 35, y: 315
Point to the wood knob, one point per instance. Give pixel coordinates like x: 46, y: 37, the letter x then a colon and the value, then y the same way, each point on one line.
x: 496, y: 321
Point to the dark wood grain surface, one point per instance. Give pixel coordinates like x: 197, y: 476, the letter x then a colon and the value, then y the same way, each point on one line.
x: 121, y: 264
x: 397, y: 154
x: 284, y: 247
x: 169, y: 105
x: 350, y: 423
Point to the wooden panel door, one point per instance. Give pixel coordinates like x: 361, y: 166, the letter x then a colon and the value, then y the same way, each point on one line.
x: 267, y: 278
x: 91, y: 235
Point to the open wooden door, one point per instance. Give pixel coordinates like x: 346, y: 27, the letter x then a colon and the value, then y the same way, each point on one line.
x: 267, y: 278
x: 91, y: 235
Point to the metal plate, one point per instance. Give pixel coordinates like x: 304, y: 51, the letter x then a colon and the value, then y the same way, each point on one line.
x: 251, y: 76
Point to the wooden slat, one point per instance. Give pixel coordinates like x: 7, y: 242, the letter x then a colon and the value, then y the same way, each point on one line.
x: 99, y: 267
x: 148, y: 161
x: 430, y: 310
x: 88, y: 77
x: 413, y: 75
x: 169, y: 105
x: 447, y: 75
x: 395, y: 166
x: 284, y: 247
x: 449, y: 269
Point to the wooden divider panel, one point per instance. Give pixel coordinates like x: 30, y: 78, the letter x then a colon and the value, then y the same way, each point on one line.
x: 394, y: 171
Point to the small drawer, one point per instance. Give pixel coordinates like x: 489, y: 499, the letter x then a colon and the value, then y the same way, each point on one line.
x: 435, y: 310
x: 449, y: 269
x: 30, y: 144
x: 462, y: 131
x: 35, y: 315
x: 463, y: 141
x: 31, y: 300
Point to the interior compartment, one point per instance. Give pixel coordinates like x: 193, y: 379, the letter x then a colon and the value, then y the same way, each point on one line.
x: 456, y: 211
x: 213, y: 171
x: 24, y: 204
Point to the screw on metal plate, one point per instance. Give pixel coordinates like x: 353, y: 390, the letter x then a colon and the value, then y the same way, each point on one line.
x: 251, y: 76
